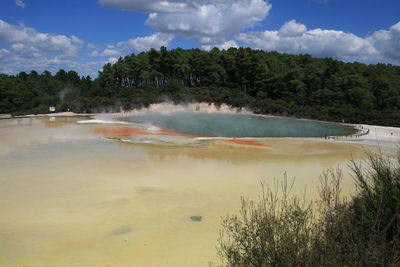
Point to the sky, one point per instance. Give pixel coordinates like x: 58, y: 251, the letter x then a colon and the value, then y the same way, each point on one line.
x: 83, y: 35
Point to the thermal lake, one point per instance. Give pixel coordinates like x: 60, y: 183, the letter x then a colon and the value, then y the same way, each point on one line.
x: 98, y: 194
x: 239, y: 125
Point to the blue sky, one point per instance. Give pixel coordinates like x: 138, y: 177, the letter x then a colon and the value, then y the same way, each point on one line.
x: 84, y: 35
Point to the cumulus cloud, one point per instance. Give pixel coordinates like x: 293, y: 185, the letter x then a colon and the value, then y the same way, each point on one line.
x: 293, y: 37
x: 28, y: 40
x: 12, y: 63
x: 112, y: 60
x: 211, y: 21
x: 141, y: 44
x: 136, y: 45
x: 20, y: 3
x: 149, y: 5
x: 388, y: 43
x: 110, y: 53
x: 225, y: 46
x: 292, y: 29
x: 94, y: 53
x: 26, y: 49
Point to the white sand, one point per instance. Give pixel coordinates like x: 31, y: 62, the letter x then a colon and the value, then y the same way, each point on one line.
x: 382, y: 133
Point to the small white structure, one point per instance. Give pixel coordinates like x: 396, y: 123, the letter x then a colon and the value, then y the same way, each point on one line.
x: 52, y: 109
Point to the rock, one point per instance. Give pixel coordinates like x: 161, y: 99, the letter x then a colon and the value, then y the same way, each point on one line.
x: 196, y: 218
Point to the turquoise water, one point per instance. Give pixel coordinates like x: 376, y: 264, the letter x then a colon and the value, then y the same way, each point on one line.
x: 238, y: 125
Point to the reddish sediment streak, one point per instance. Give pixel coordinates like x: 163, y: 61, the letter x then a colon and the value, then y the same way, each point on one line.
x: 128, y: 131
x: 246, y: 142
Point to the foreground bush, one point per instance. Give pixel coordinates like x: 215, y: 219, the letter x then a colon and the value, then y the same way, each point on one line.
x: 284, y: 230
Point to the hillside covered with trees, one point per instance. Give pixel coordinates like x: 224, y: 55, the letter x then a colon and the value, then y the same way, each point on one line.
x: 266, y: 82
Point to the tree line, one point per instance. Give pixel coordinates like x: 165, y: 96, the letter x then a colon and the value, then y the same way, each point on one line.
x: 266, y: 82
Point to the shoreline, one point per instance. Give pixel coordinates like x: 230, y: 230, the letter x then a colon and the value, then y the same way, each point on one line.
x: 370, y: 135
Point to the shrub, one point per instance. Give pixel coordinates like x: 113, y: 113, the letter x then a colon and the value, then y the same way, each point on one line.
x: 284, y: 230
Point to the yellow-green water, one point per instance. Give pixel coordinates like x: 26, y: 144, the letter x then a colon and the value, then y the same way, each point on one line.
x: 70, y: 197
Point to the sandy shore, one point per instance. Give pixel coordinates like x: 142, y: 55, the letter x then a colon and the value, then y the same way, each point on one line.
x: 380, y: 139
x: 381, y: 133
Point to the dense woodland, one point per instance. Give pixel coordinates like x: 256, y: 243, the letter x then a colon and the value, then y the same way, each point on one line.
x: 266, y: 82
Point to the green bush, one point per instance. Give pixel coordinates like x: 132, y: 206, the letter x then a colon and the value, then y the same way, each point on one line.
x: 284, y: 230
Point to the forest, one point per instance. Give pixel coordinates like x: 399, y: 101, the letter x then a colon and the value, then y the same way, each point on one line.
x: 266, y: 82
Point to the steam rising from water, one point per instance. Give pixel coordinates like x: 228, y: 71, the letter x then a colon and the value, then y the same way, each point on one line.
x: 63, y: 93
x: 170, y: 108
x: 195, y: 120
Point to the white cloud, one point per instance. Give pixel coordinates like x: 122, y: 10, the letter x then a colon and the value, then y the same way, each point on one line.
x: 225, y: 46
x: 292, y: 29
x: 24, y: 39
x: 92, y: 46
x: 212, y: 21
x: 12, y: 63
x: 141, y: 44
x: 388, y: 43
x: 136, y: 45
x: 4, y: 52
x: 110, y: 52
x: 382, y: 46
x: 20, y: 3
x: 27, y: 49
x: 112, y: 60
x: 149, y: 5
x: 30, y: 50
x: 94, y: 53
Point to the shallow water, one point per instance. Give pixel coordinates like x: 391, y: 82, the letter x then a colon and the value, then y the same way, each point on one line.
x: 239, y: 125
x: 70, y: 197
